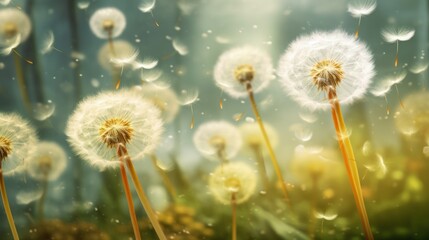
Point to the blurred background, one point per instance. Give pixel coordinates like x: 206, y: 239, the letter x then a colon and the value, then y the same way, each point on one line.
x: 187, y: 37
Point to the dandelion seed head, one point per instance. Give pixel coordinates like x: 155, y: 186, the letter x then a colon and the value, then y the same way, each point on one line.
x: 393, y: 34
x: 17, y: 141
x: 252, y: 136
x: 47, y: 162
x: 322, y: 61
x: 414, y: 117
x: 359, y: 8
x: 240, y: 65
x: 101, y: 122
x: 13, y: 22
x: 315, y: 161
x: 165, y: 99
x: 107, y: 22
x: 214, y: 136
x: 123, y: 50
x: 233, y: 178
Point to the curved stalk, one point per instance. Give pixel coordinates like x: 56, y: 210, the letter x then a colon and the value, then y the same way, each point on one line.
x: 257, y: 151
x: 268, y: 143
x: 121, y: 155
x: 21, y: 81
x: 350, y: 162
x: 142, y: 196
x: 7, y: 207
x: 234, y: 216
x: 115, y: 71
x: 165, y: 179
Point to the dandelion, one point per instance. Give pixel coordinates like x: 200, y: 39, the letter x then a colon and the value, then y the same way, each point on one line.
x: 147, y: 6
x: 392, y: 35
x: 415, y: 118
x: 325, y: 69
x: 218, y: 139
x: 17, y: 140
x: 254, y: 141
x: 241, y: 72
x: 233, y: 183
x: 381, y: 90
x: 15, y: 27
x: 45, y: 164
x: 312, y: 164
x: 359, y: 8
x: 115, y: 61
x: 188, y: 97
x: 107, y: 23
x: 110, y: 130
x: 165, y: 99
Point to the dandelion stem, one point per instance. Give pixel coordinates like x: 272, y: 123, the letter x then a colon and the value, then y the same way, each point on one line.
x: 399, y: 96
x: 142, y: 196
x: 397, y: 53
x: 257, y: 151
x: 165, y: 179
x: 41, y: 204
x: 350, y: 162
x: 357, y: 28
x: 21, y: 81
x: 115, y: 71
x: 121, y: 155
x: 267, y: 143
x: 6, y: 206
x: 312, y: 220
x: 191, y: 126
x: 387, y: 105
x: 234, y: 216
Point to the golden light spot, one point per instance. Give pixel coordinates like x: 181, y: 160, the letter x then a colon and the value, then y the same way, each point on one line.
x: 5, y: 147
x: 327, y: 74
x: 116, y: 130
x: 108, y: 25
x: 244, y: 73
x: 10, y: 29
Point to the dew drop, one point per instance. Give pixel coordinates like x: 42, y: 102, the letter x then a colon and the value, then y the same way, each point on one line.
x: 43, y: 111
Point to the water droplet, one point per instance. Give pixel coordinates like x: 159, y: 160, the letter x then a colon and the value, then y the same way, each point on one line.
x: 43, y: 111
x: 249, y: 119
x: 95, y: 83
x: 308, y: 117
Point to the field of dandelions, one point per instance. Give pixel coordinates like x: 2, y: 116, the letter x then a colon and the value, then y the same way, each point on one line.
x: 221, y: 119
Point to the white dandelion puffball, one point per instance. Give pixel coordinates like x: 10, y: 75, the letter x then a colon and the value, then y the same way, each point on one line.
x: 239, y: 65
x: 212, y: 137
x: 47, y: 162
x: 414, y: 117
x: 107, y: 21
x: 13, y: 24
x: 163, y: 98
x: 233, y: 178
x: 100, y: 123
x: 252, y: 135
x: 123, y: 50
x: 17, y: 141
x: 323, y: 61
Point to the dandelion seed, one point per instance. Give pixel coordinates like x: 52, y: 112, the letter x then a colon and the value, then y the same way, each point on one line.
x: 48, y: 44
x: 188, y: 97
x: 419, y: 67
x: 83, y: 5
x: 359, y: 8
x: 147, y: 63
x: 392, y: 35
x: 147, y: 6
x: 323, y: 70
x: 180, y: 47
x: 326, y: 216
x: 13, y: 44
x: 26, y: 197
x: 379, y: 167
x: 218, y: 140
x: 150, y: 75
